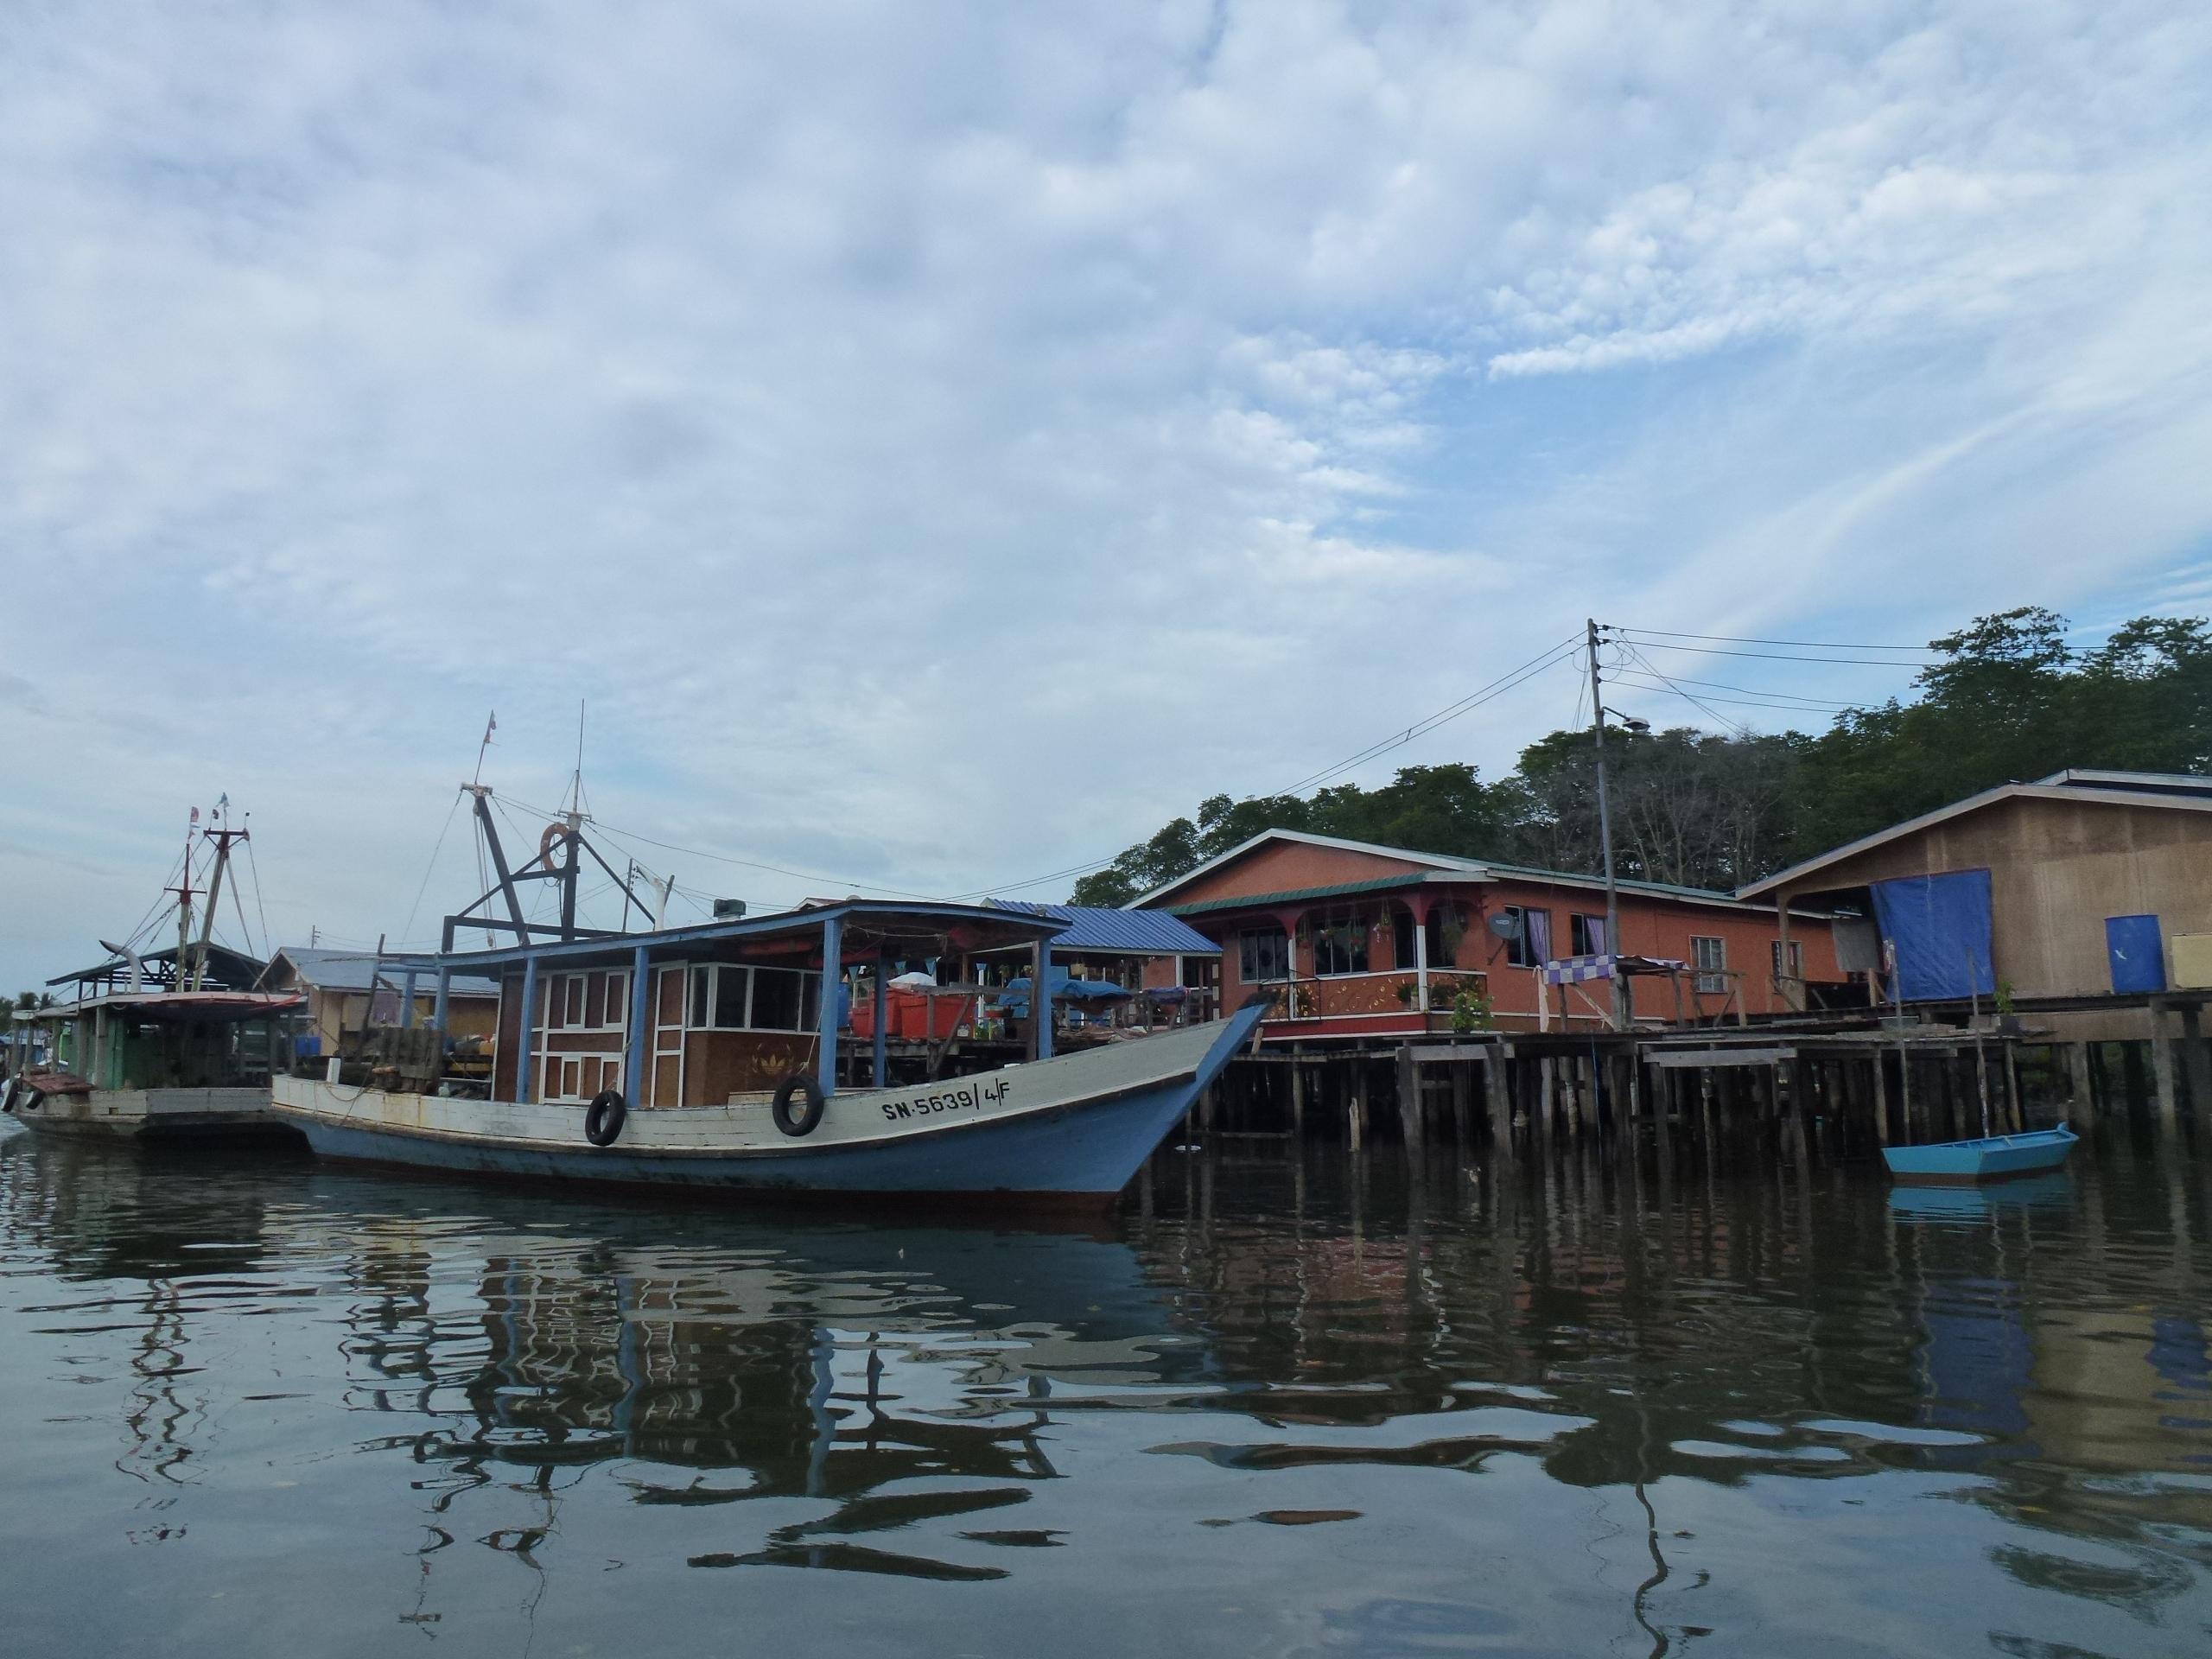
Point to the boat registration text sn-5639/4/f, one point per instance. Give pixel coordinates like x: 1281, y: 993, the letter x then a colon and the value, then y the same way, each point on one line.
x: 974, y: 1095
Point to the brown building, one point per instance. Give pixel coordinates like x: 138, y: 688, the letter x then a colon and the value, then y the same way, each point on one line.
x: 1359, y: 940
x: 2086, y: 892
x: 339, y: 995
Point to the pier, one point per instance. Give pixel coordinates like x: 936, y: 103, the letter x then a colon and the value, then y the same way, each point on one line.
x: 1847, y: 1088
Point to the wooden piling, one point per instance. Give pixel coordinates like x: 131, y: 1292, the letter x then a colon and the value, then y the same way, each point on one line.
x: 2077, y: 1077
x: 1499, y: 1100
x: 1409, y: 1112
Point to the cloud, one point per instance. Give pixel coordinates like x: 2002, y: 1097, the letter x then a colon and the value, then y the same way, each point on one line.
x: 939, y: 444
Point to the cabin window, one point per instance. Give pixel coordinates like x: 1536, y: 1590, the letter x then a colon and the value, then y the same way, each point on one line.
x: 729, y: 996
x: 1531, y: 945
x: 779, y: 1000
x: 1588, y: 935
x: 719, y: 994
x: 1796, y: 970
x: 1710, y: 957
x: 1340, y: 943
x: 587, y: 1001
x: 1261, y: 954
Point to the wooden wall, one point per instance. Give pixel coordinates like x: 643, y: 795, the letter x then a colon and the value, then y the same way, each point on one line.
x: 2057, y: 869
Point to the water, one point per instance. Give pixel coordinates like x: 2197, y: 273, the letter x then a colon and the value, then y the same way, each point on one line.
x: 267, y: 1406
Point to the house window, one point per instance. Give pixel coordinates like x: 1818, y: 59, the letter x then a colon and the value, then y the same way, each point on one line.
x: 1263, y: 954
x: 1796, y: 959
x: 1200, y: 973
x: 1340, y: 943
x: 1405, y: 941
x: 1710, y: 957
x: 1588, y: 935
x: 1531, y: 945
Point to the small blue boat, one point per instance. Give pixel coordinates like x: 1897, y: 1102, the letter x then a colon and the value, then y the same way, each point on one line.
x: 1992, y: 1158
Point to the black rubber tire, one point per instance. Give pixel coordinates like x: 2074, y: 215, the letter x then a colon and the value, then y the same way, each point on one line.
x: 604, y: 1117
x: 803, y: 1121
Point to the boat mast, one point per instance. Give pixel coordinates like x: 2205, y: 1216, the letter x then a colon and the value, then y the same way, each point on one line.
x: 183, y: 891
x: 222, y: 837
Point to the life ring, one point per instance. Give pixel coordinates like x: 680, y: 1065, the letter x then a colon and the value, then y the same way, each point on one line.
x: 801, y: 1121
x: 555, y: 834
x: 604, y: 1117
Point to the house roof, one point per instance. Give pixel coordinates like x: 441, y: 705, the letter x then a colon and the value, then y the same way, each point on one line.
x: 1439, y: 867
x: 2177, y: 791
x: 1133, y: 932
x: 1305, y: 837
x: 349, y: 970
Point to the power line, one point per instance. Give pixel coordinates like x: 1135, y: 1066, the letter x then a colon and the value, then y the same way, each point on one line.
x: 1564, y: 652
x: 1761, y: 691
x: 1450, y: 712
x: 1781, y: 656
x: 1737, y: 724
x: 1745, y: 639
x: 1644, y: 679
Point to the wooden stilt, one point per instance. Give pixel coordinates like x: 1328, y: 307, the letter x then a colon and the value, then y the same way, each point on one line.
x: 1499, y: 1099
x: 2164, y: 1069
x: 2083, y: 1098
x: 1409, y: 1101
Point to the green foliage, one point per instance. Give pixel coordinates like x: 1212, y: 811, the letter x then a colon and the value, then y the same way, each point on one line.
x: 2008, y: 700
x: 1471, y: 1011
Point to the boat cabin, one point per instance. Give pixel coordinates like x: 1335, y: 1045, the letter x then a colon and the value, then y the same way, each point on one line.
x: 724, y: 1010
x: 170, y: 1039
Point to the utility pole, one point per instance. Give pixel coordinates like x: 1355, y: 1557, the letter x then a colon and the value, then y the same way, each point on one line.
x: 1605, y: 838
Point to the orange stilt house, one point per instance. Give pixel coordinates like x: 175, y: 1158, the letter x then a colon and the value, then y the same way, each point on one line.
x: 1358, y: 940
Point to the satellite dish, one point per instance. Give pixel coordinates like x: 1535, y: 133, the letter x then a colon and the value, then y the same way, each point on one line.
x: 1507, y: 925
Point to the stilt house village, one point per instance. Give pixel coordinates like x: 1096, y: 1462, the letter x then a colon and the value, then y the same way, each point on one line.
x: 1890, y: 988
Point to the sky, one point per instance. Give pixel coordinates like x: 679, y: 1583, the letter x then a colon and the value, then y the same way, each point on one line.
x: 933, y: 445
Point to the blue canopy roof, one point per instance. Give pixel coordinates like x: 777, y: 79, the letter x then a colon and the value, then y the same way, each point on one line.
x: 1136, y: 933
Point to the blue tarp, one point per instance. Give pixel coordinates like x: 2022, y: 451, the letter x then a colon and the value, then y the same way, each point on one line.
x: 1014, y: 995
x: 1939, y: 926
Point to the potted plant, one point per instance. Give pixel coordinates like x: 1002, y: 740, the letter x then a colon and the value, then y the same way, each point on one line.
x: 1471, y: 1011
x: 2008, y: 1017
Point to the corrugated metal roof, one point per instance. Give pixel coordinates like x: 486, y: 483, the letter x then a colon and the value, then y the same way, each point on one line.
x: 1300, y: 895
x: 1426, y: 878
x: 348, y: 970
x: 1140, y: 932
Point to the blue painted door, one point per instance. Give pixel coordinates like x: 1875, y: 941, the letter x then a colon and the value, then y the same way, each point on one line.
x: 2139, y: 955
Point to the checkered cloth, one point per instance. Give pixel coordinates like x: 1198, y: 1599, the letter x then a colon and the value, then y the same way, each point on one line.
x: 1574, y: 970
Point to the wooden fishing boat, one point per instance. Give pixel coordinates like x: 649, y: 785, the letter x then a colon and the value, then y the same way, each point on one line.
x: 708, y: 1057
x: 172, y: 1045
x: 1991, y: 1158
x: 158, y: 1065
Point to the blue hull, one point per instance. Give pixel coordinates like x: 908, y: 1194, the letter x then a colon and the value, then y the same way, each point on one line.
x: 1992, y: 1158
x: 1084, y: 1151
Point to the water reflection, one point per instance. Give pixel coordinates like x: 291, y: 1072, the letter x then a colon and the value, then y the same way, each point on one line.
x: 1283, y: 1404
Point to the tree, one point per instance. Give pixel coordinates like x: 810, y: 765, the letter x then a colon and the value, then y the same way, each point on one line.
x: 2008, y: 699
